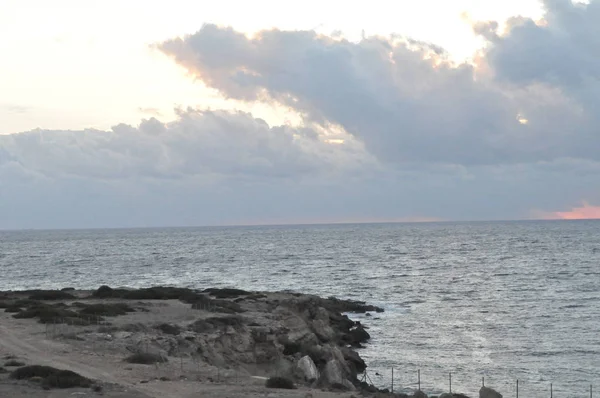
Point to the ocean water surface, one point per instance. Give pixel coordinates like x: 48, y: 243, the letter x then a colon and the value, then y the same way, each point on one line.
x: 500, y: 300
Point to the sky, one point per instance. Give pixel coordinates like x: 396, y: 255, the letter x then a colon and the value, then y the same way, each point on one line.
x: 148, y: 113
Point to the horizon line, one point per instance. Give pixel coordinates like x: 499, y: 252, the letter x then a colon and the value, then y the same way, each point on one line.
x: 295, y: 224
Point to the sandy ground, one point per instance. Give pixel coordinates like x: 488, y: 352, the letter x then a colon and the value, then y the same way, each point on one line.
x: 38, y: 344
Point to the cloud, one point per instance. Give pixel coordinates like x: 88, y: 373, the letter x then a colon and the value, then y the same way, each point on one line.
x: 15, y: 108
x: 391, y: 130
x: 402, y: 98
x: 150, y: 111
x: 197, y: 143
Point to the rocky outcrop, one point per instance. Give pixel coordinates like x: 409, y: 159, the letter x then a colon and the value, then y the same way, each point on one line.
x: 307, y: 338
x: 486, y: 392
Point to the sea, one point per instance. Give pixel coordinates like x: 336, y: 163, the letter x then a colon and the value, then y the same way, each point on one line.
x: 467, y: 303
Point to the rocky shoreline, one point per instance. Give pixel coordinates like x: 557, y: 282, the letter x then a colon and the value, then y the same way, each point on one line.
x: 303, y: 338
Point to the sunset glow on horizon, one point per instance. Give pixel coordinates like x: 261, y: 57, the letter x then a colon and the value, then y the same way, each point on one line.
x: 583, y: 212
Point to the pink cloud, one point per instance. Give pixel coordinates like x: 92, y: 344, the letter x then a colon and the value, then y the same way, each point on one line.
x: 583, y: 212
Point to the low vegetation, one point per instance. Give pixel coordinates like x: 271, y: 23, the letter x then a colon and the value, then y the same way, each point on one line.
x: 13, y: 363
x: 280, y: 382
x: 199, y: 300
x: 112, y: 309
x: 145, y: 358
x: 51, y: 377
x: 42, y: 295
x: 169, y: 329
x: 78, y: 314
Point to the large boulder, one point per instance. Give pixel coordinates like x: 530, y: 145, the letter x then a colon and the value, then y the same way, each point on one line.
x: 354, y: 360
x: 308, y: 369
x: 335, y: 353
x: 359, y: 334
x: 321, y: 314
x: 324, y: 332
x: 419, y: 394
x: 333, y: 375
x: 486, y: 392
x: 333, y: 372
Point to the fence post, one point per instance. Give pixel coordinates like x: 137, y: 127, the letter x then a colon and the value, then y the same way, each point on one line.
x: 450, y: 381
x: 482, y: 381
x: 590, y: 391
x: 392, y: 380
x: 517, y: 388
x: 550, y: 390
x: 419, y: 378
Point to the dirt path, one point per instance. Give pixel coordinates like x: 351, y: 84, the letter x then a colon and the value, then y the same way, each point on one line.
x: 44, y: 352
x: 27, y: 341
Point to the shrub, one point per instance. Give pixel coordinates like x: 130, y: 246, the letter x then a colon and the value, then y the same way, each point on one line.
x: 104, y: 292
x: 50, y: 295
x: 151, y: 293
x: 14, y: 362
x: 280, y: 382
x: 13, y: 309
x: 51, y: 377
x: 66, y: 379
x: 46, y: 314
x: 169, y: 329
x: 226, y: 293
x: 2, y: 370
x: 145, y: 358
x: 113, y: 309
x: 27, y: 372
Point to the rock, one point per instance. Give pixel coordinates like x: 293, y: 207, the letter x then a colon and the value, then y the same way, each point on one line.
x: 284, y: 367
x: 333, y: 375
x: 446, y: 395
x: 332, y: 352
x: 323, y: 331
x: 309, y: 369
x: 302, y: 337
x: 333, y: 372
x: 348, y: 385
x: 359, y: 334
x: 354, y: 360
x: 226, y: 293
x: 321, y: 314
x: 486, y: 392
x: 419, y: 394
x: 103, y: 292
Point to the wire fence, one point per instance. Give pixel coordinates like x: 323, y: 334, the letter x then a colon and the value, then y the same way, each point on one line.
x: 398, y: 385
x: 190, y: 365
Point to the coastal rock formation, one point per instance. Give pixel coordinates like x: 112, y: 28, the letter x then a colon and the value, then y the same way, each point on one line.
x: 307, y: 339
x: 486, y: 392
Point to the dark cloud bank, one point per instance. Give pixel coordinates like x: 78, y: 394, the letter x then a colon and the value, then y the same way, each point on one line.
x: 517, y: 131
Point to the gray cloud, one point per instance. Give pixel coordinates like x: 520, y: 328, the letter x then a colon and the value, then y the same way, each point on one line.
x: 204, y: 143
x: 401, y: 98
